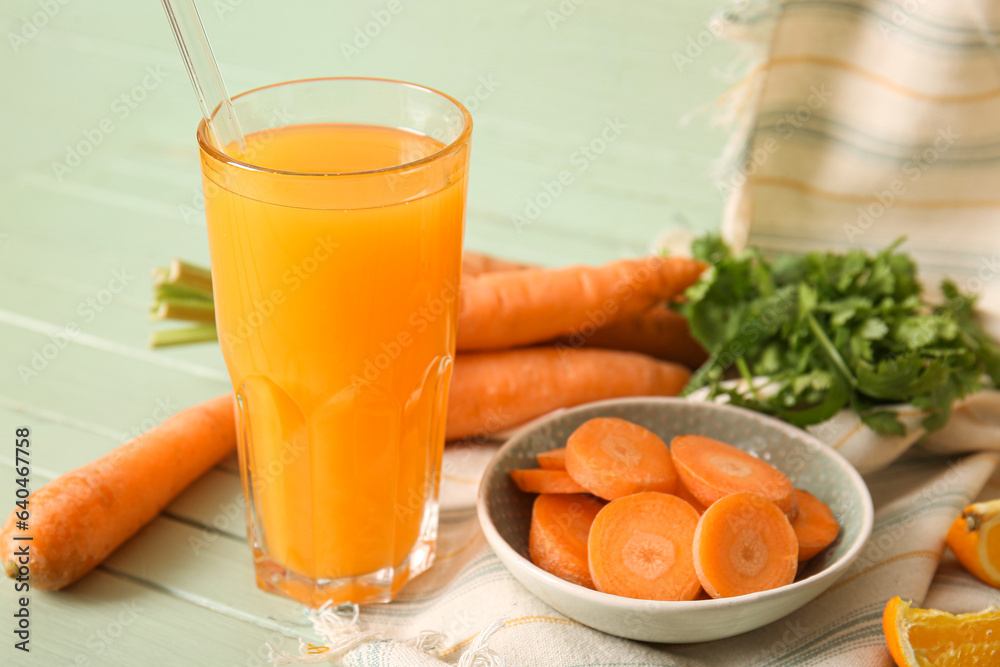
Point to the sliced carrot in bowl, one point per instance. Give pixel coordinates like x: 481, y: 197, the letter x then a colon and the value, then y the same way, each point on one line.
x: 612, y: 458
x: 640, y: 547
x: 557, y: 541
x: 711, y: 470
x: 744, y: 544
x: 815, y: 526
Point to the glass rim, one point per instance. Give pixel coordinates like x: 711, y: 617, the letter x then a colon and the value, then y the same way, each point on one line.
x: 208, y: 148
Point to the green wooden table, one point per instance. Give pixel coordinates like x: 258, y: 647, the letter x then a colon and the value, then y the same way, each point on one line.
x: 99, y: 182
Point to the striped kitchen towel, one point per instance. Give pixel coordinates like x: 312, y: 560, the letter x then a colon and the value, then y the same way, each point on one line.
x: 468, y: 610
x: 867, y: 120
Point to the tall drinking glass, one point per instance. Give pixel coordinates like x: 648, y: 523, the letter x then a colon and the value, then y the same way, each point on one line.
x: 336, y: 244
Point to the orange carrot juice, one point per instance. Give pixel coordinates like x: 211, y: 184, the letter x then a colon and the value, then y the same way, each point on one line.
x: 336, y: 275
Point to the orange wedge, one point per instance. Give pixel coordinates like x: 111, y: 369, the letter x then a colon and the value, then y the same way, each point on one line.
x: 932, y: 638
x: 975, y: 539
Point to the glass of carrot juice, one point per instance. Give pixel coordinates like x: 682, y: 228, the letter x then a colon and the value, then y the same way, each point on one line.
x: 336, y: 248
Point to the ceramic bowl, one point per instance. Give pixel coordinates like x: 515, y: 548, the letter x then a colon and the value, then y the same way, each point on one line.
x: 505, y: 515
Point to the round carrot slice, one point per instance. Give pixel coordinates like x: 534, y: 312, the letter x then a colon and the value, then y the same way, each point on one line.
x: 536, y: 480
x: 815, y: 527
x: 613, y: 458
x: 711, y: 469
x: 554, y: 459
x: 744, y: 544
x: 640, y: 547
x: 560, y: 526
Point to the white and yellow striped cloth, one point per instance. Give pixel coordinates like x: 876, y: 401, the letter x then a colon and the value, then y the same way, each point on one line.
x: 869, y: 120
x: 468, y: 589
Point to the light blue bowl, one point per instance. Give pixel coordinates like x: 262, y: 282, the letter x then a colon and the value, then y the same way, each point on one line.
x: 505, y: 515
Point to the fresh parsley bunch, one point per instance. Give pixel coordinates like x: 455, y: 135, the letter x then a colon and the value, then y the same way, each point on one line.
x: 813, y: 334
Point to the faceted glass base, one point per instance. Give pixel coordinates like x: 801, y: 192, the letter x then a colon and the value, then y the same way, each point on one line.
x: 379, y: 586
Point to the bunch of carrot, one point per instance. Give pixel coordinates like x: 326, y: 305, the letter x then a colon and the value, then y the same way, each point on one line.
x: 529, y: 339
x: 82, y: 516
x: 621, y: 512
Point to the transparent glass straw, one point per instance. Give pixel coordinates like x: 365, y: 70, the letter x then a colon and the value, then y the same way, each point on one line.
x: 204, y: 72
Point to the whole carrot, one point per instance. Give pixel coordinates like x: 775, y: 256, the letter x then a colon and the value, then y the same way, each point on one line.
x: 477, y: 263
x: 513, y: 308
x: 659, y: 332
x: 80, y: 517
x: 494, y: 391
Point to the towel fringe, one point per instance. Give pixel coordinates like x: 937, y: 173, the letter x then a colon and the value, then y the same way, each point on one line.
x: 343, y: 631
x: 479, y: 654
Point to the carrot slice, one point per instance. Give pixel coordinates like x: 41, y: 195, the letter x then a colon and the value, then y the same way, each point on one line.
x: 612, y: 458
x: 560, y: 526
x: 711, y: 470
x: 554, y: 459
x: 744, y: 544
x: 682, y: 492
x: 640, y: 547
x: 815, y: 527
x: 536, y: 480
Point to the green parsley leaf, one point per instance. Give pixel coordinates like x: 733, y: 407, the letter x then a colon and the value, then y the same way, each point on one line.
x: 830, y: 331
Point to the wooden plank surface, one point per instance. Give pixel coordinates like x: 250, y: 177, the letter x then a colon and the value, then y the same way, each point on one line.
x: 99, y: 183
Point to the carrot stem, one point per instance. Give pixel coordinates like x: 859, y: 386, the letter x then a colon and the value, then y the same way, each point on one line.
x: 201, y: 333
x: 190, y: 275
x: 191, y: 310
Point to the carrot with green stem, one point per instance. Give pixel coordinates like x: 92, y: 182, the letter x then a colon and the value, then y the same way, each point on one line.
x: 495, y: 391
x: 80, y: 517
x: 514, y: 308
